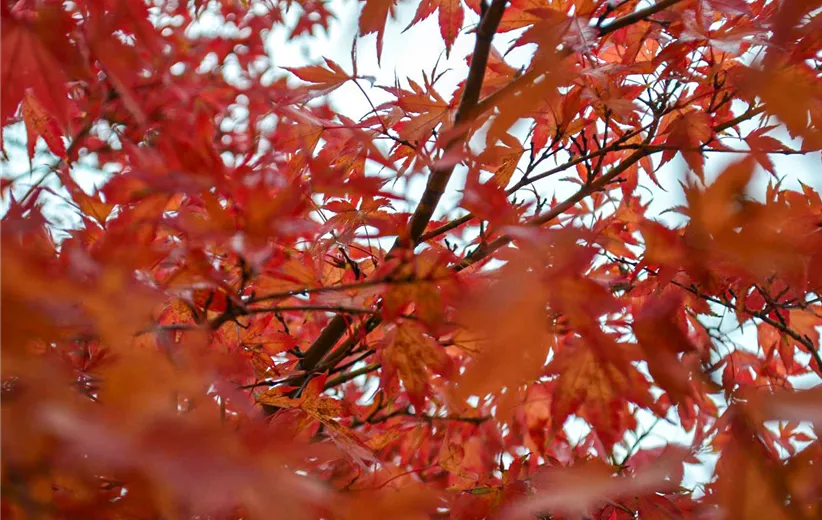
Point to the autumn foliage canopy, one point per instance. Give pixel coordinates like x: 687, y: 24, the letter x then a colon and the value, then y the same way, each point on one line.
x: 255, y: 313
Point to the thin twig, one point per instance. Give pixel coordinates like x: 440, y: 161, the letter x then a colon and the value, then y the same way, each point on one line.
x: 636, y: 16
x: 348, y: 376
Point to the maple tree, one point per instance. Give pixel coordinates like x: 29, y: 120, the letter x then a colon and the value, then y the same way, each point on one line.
x: 245, y: 323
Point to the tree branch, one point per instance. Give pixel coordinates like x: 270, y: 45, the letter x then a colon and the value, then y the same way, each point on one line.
x: 406, y: 412
x: 328, y: 288
x: 783, y: 328
x: 437, y: 181
x: 615, y: 146
x: 761, y: 315
x: 636, y: 16
x: 348, y: 376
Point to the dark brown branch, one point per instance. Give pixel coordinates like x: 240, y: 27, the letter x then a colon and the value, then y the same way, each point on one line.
x: 332, y: 288
x: 702, y: 149
x: 740, y: 118
x: 637, y: 16
x: 437, y: 181
x: 236, y: 312
x: 324, y: 342
x: 348, y: 345
x: 349, y: 364
x: 306, y: 308
x: 273, y: 382
x: 348, y: 376
x: 406, y: 412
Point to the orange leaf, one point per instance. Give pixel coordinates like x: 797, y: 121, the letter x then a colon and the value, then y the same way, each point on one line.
x: 791, y: 93
x: 450, y: 19
x: 312, y: 401
x: 717, y: 209
x: 805, y: 322
x: 749, y: 484
x: 538, y: 417
x: 797, y: 406
x: 425, y: 111
x: 597, y: 390
x: 687, y: 133
x: 89, y: 205
x: 523, y: 13
x: 506, y: 314
x: 451, y: 456
x: 34, y: 55
x: 40, y: 124
x: 278, y: 397
x: 324, y: 78
x: 662, y: 338
x: 410, y: 354
x: 423, y: 277
x: 373, y: 18
x: 761, y: 145
x: 502, y: 160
